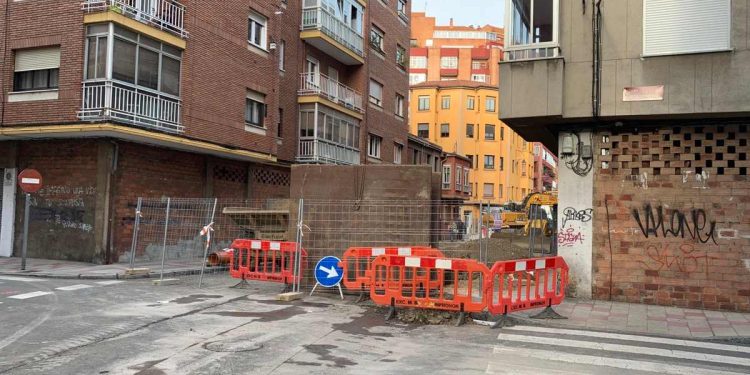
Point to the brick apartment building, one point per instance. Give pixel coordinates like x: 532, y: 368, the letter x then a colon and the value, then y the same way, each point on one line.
x: 652, y: 132
x: 545, y: 169
x: 115, y: 99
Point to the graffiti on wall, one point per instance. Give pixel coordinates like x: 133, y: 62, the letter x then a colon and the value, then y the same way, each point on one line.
x: 63, y: 206
x: 676, y: 223
x: 570, y: 237
x: 571, y: 233
x: 672, y: 257
x: 572, y: 214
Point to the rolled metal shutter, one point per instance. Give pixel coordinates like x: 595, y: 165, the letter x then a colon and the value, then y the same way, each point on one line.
x: 672, y: 27
x: 37, y: 59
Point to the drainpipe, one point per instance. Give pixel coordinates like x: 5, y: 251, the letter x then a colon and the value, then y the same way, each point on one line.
x: 596, y: 84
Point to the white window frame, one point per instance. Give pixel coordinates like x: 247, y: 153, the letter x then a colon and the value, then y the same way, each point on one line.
x: 487, y: 101
x: 374, y: 143
x: 260, y: 104
x: 484, y: 190
x: 423, y: 124
x: 374, y: 97
x: 489, y: 166
x: 448, y: 62
x: 445, y: 134
x: 417, y: 78
x: 282, y: 55
x: 447, y: 170
x: 479, y: 78
x: 531, y: 47
x: 399, y: 110
x: 377, y: 39
x: 445, y: 102
x: 419, y: 103
x: 398, y: 150
x: 255, y: 17
x: 471, y: 103
x: 418, y: 62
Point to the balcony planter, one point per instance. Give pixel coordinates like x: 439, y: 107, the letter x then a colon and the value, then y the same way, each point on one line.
x: 115, y: 8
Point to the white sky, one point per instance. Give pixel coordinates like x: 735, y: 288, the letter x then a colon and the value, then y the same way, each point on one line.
x: 464, y: 12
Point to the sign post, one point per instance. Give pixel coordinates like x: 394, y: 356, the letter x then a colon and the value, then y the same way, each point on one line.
x: 328, y: 274
x: 30, y: 181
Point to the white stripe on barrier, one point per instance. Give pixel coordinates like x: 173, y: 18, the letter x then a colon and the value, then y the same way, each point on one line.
x: 520, y: 266
x: 413, y: 262
x: 539, y: 264
x: 378, y: 251
x: 275, y: 245
x: 404, y: 251
x: 444, y: 264
x: 255, y: 245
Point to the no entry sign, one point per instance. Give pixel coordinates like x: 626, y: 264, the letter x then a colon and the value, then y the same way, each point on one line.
x: 30, y: 180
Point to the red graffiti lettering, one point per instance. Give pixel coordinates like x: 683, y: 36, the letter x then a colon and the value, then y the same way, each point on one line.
x: 683, y: 259
x: 569, y: 237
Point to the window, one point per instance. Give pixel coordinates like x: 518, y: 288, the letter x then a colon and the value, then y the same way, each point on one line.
x: 401, y: 56
x: 502, y: 163
x: 466, y: 180
x: 479, y: 77
x: 478, y: 64
x: 36, y: 69
x: 459, y: 178
x: 398, y: 149
x: 500, y: 191
x: 136, y: 59
x: 469, y: 130
x: 418, y: 62
x: 399, y: 110
x: 693, y: 26
x: 377, y: 37
x: 413, y: 43
x: 423, y: 103
x: 282, y: 55
x: 376, y: 93
x: 489, y: 190
x: 373, y: 146
x: 489, y: 161
x: 471, y: 158
x: 449, y: 62
x: 531, y: 22
x: 255, y: 109
x: 445, y: 102
x: 401, y: 9
x: 446, y: 177
x: 280, y: 124
x: 470, y: 102
x: 423, y: 130
x: 416, y: 78
x: 489, y: 104
x: 445, y: 130
x: 256, y: 30
x: 502, y: 133
x: 489, y: 132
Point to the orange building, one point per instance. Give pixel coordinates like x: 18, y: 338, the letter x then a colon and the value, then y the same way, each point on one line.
x: 444, y: 53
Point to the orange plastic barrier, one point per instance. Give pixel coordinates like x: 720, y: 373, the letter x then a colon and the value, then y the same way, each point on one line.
x: 527, y: 284
x: 265, y: 260
x: 357, y: 261
x: 433, y: 283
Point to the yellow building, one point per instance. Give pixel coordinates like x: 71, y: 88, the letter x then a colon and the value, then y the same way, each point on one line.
x: 462, y: 117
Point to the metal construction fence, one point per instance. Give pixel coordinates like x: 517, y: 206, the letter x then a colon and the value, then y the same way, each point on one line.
x: 187, y: 238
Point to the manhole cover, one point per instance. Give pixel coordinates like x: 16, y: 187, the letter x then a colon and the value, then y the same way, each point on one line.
x: 232, y: 346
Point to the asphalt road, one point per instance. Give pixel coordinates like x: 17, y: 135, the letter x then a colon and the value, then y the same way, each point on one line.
x: 52, y: 326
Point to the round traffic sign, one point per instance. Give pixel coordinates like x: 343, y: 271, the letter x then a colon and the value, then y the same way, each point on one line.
x: 327, y: 271
x: 30, y: 180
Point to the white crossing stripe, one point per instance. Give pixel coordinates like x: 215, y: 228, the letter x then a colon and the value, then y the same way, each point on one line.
x: 618, y: 336
x: 109, y: 282
x: 625, y: 349
x: 30, y: 295
x: 16, y: 278
x: 596, y: 360
x: 74, y: 287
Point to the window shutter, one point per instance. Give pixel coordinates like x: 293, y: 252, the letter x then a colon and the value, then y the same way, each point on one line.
x: 672, y: 27
x: 37, y: 59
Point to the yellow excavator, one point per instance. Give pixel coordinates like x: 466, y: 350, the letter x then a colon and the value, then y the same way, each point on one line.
x: 541, y: 210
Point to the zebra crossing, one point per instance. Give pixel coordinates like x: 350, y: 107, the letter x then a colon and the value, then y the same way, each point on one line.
x: 16, y: 287
x: 601, y: 352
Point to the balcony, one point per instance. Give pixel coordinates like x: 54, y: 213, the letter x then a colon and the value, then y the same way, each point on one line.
x: 332, y: 36
x: 166, y: 15
x: 324, y: 86
x: 105, y: 100
x: 322, y: 151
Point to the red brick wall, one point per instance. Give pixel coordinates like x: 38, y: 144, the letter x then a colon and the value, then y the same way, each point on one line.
x: 61, y: 221
x: 706, y: 265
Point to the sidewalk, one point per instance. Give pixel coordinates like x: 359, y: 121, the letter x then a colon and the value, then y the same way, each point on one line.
x: 646, y: 319
x: 63, y: 269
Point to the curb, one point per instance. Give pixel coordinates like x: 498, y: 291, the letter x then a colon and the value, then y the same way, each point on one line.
x: 736, y: 340
x: 83, y: 276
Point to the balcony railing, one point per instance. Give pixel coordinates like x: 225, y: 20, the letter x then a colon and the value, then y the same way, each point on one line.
x: 320, y: 84
x: 321, y: 19
x: 535, y: 51
x: 322, y: 151
x: 110, y: 101
x: 167, y: 15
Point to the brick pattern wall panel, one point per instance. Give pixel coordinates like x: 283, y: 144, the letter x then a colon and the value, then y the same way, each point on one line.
x: 672, y: 216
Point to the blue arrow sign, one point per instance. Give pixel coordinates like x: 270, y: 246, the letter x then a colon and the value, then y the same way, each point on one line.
x: 327, y: 271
